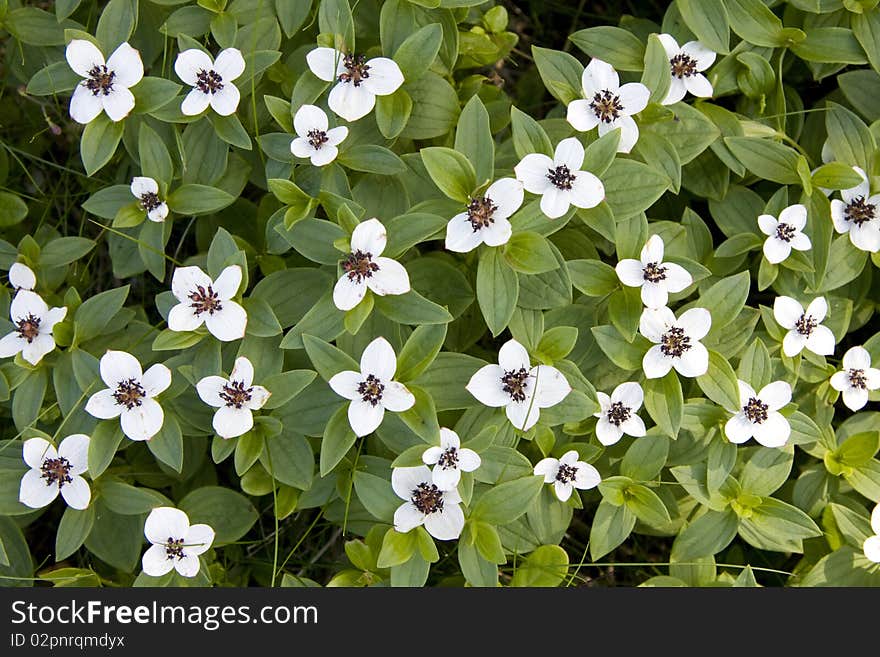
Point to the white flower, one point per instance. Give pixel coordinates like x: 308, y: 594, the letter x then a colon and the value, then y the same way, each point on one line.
x: 211, y: 80
x: 687, y: 64
x: 567, y: 473
x: 676, y: 342
x: 656, y: 278
x: 871, y: 546
x: 559, y: 181
x: 450, y: 460
x: 22, y: 277
x: 146, y: 191
x: 210, y: 302
x: 522, y: 389
x: 856, y: 378
x: 784, y: 234
x: 358, y: 80
x: 175, y: 543
x: 618, y: 413
x: 372, y: 390
x: 426, y: 504
x: 34, y: 321
x: 804, y: 327
x: 365, y: 268
x: 234, y: 398
x: 486, y: 220
x: 316, y: 141
x: 130, y: 394
x: 608, y: 105
x: 759, y: 415
x: 859, y: 215
x: 106, y: 85
x: 52, y: 472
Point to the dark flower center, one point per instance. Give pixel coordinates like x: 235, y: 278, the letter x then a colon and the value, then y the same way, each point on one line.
x: 359, y: 265
x: 785, y: 232
x: 317, y: 138
x: 515, y: 383
x: 356, y: 69
x: 561, y: 177
x: 480, y: 211
x: 857, y: 379
x: 100, y: 80
x: 618, y: 414
x: 235, y: 394
x: 209, y: 82
x: 448, y: 459
x: 427, y: 498
x: 683, y: 66
x: 150, y: 201
x: 654, y: 272
x: 805, y: 325
x: 859, y: 211
x: 566, y: 473
x: 56, y: 471
x: 129, y: 393
x: 205, y: 300
x: 174, y: 548
x: 755, y: 410
x: 674, y: 342
x: 28, y: 328
x: 370, y: 389
x: 606, y: 106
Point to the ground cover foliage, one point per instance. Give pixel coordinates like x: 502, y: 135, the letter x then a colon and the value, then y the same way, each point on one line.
x: 439, y: 293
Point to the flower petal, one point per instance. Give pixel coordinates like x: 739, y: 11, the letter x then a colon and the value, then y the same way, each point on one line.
x: 677, y: 91
x: 856, y: 358
x: 569, y: 152
x: 34, y: 351
x: 118, y: 103
x: 739, y: 428
x: 634, y: 97
x: 209, y: 389
x: 336, y: 136
x: 460, y: 234
x: 11, y: 344
x: 26, y: 303
x: 608, y: 433
x: 227, y: 324
x: 871, y: 548
x: 855, y: 398
x: 405, y: 480
x: 141, y: 185
x: 629, y: 133
x: 190, y: 63
x: 195, y: 103
x: 187, y: 566
x: 817, y: 309
x: 370, y: 237
x: 497, y: 233
x: 507, y: 195
x: 119, y: 366
x: 182, y: 317
x: 345, y: 384
x: 696, y: 322
x: 793, y: 343
x: 696, y: 50
x: 875, y: 519
x: 446, y: 478
x: 772, y: 432
x: 586, y: 476
x: 379, y: 359
x: 630, y: 272
x: 821, y: 341
x: 84, y: 105
x: 513, y: 356
x: 655, y: 364
x: 547, y: 468
x: 166, y: 522
x: 324, y: 156
x: 555, y: 202
x: 259, y: 397
x: 156, y: 561
x: 629, y: 394
x: 36, y: 450
x: 227, y: 283
x: 654, y: 322
x: 581, y: 116
x: 776, y: 250
x: 198, y: 539
x: 75, y: 448
x: 22, y: 277
x: 396, y: 397
x: 677, y: 277
x: 767, y: 223
x: 431, y: 455
x: 795, y: 216
x: 407, y: 517
x: 144, y: 421
x: 775, y: 395
x: 187, y: 280
x: 670, y: 45
x: 694, y: 362
x: 364, y: 418
x: 231, y: 422
x: 532, y: 172
x: 634, y: 426
x: 787, y: 311
x: 468, y: 460
x: 225, y: 101
x: 551, y: 386
x: 243, y: 371
x: 348, y: 292
x: 301, y: 147
x: 385, y: 76
x: 156, y: 380
x: 83, y: 56
x: 599, y: 76
x: 563, y: 490
x: 447, y: 524
x: 77, y: 493
x: 654, y: 295
x: 351, y: 102
x: 485, y: 385
x: 587, y: 191
x: 325, y: 63
x: 523, y: 415
x: 103, y: 406
x: 34, y: 491
x: 229, y: 64
x: 699, y: 86
x: 126, y: 63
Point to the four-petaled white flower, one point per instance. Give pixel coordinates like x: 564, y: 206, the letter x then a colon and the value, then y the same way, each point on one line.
x: 234, y: 398
x: 211, y: 80
x: 106, y: 84
x: 567, y: 473
x: 676, y: 342
x: 146, y: 191
x: 656, y: 278
x: 450, y: 459
x: 523, y: 390
x: 859, y: 215
x: 618, y: 414
x: 426, y: 504
x: 804, y: 326
x: 687, y: 64
x: 784, y: 234
x: 559, y: 181
x: 871, y: 546
x: 130, y: 394
x: 33, y: 323
x: 758, y: 416
x: 608, y: 105
x: 55, y: 471
x: 315, y: 140
x: 175, y: 543
x: 487, y: 219
x: 358, y: 80
x: 365, y: 268
x: 372, y: 390
x: 210, y: 302
x: 22, y: 277
x: 857, y: 378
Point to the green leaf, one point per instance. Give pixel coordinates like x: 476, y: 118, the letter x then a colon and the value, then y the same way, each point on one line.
x: 528, y: 135
x: 98, y: 143
x: 708, y: 20
x: 546, y: 566
x: 765, y: 158
x: 393, y: 112
x: 285, y: 386
x: 451, y: 171
x: 167, y: 445
x: 155, y: 160
x: 473, y: 138
x: 376, y: 495
x: 775, y: 525
x: 397, y: 548
x: 506, y: 502
x: 646, y: 505
x: 95, y: 313
x: 72, y: 531
x: 64, y: 250
x: 327, y: 359
x: 611, y: 526
x: 664, y: 402
x: 334, y: 18
x: 858, y: 449
x: 418, y: 51
x: 725, y: 299
x: 705, y: 536
x: 560, y: 72
x: 657, y: 75
x: 420, y: 350
x: 369, y: 158
x: 337, y: 440
x: 719, y: 383
x: 632, y: 187
x: 497, y: 290
x: 850, y: 140
x: 421, y: 418
x: 412, y: 308
x: 198, y: 199
x: 835, y: 45
x: 620, y: 48
x: 593, y: 277
x: 766, y: 470
x: 753, y: 21
x: 116, y: 23
x: 230, y: 514
x: 529, y: 253
x: 645, y: 458
x: 755, y: 366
